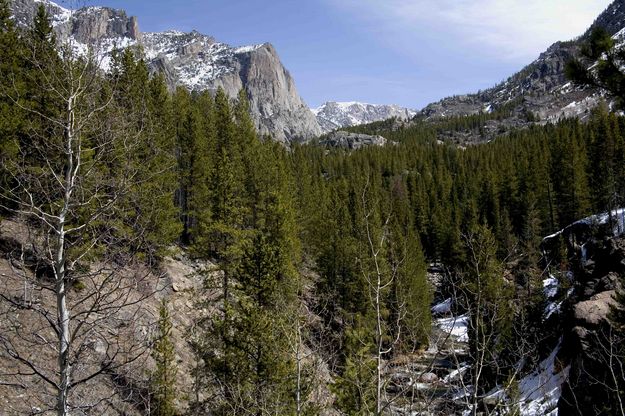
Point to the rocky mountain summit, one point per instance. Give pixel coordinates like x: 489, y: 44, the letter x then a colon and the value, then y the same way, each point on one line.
x: 335, y: 115
x: 192, y: 60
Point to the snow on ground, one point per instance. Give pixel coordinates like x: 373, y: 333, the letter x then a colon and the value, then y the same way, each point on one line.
x: 554, y: 306
x: 539, y: 391
x: 442, y: 308
x: 550, y: 286
x: 618, y: 218
x: 456, y: 374
x: 456, y: 326
x: 551, y: 308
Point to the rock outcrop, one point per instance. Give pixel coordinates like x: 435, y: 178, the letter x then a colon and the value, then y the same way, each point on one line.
x: 595, y: 251
x: 352, y: 141
x: 594, y: 311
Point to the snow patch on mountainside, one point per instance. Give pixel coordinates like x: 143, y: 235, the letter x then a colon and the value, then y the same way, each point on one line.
x: 198, y: 59
x: 248, y: 49
x: 335, y: 115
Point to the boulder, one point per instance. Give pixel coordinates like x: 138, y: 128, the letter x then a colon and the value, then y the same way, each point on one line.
x: 428, y: 378
x: 595, y: 310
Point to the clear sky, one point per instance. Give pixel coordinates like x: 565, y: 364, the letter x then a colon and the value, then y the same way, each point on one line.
x: 407, y: 52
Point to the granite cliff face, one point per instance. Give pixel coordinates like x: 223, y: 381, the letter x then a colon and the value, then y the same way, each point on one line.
x: 89, y: 25
x: 192, y: 60
x: 199, y: 62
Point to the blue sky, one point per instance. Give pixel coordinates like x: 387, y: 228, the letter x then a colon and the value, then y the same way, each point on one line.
x: 407, y: 52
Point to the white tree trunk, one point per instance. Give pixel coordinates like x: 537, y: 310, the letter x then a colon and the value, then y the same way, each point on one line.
x: 63, y: 316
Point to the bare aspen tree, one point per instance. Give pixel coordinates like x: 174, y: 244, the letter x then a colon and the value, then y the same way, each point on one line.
x: 595, y: 386
x: 481, y: 292
x: 379, y: 275
x: 69, y: 190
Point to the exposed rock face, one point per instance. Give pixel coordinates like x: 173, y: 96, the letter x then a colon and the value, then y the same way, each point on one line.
x: 199, y: 62
x: 95, y: 23
x: 89, y: 25
x: 595, y: 250
x: 595, y: 310
x: 352, y: 141
x: 540, y: 88
x: 24, y: 12
x: 334, y: 115
x: 192, y: 60
x: 279, y: 110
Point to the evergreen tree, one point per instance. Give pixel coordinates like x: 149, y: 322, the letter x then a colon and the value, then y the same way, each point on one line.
x: 268, y: 278
x: 606, y: 59
x: 355, y: 386
x: 164, y: 376
x: 200, y: 125
x: 11, y: 86
x: 150, y: 205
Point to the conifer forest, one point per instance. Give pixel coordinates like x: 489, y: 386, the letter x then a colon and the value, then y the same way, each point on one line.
x: 161, y: 254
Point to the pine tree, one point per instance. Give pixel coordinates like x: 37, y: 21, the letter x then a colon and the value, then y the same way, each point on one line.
x: 601, y: 157
x: 11, y: 85
x: 200, y: 127
x: 606, y: 60
x: 254, y: 363
x: 412, y: 294
x: 355, y: 386
x: 229, y: 203
x: 182, y: 107
x: 150, y: 206
x: 486, y: 298
x: 41, y: 31
x: 164, y: 376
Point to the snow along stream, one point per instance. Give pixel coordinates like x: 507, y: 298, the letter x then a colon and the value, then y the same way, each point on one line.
x: 538, y: 392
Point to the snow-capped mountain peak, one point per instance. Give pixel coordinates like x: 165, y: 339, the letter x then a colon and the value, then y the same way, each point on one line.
x: 333, y: 115
x: 193, y: 60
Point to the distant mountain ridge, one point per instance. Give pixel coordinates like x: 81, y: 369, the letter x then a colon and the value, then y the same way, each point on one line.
x: 541, y: 88
x: 335, y: 115
x: 192, y: 60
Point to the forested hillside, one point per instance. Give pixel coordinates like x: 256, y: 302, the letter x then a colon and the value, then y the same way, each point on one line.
x: 312, y: 263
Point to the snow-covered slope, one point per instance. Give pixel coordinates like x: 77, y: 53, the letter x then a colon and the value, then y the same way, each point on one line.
x: 334, y: 115
x: 192, y: 60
